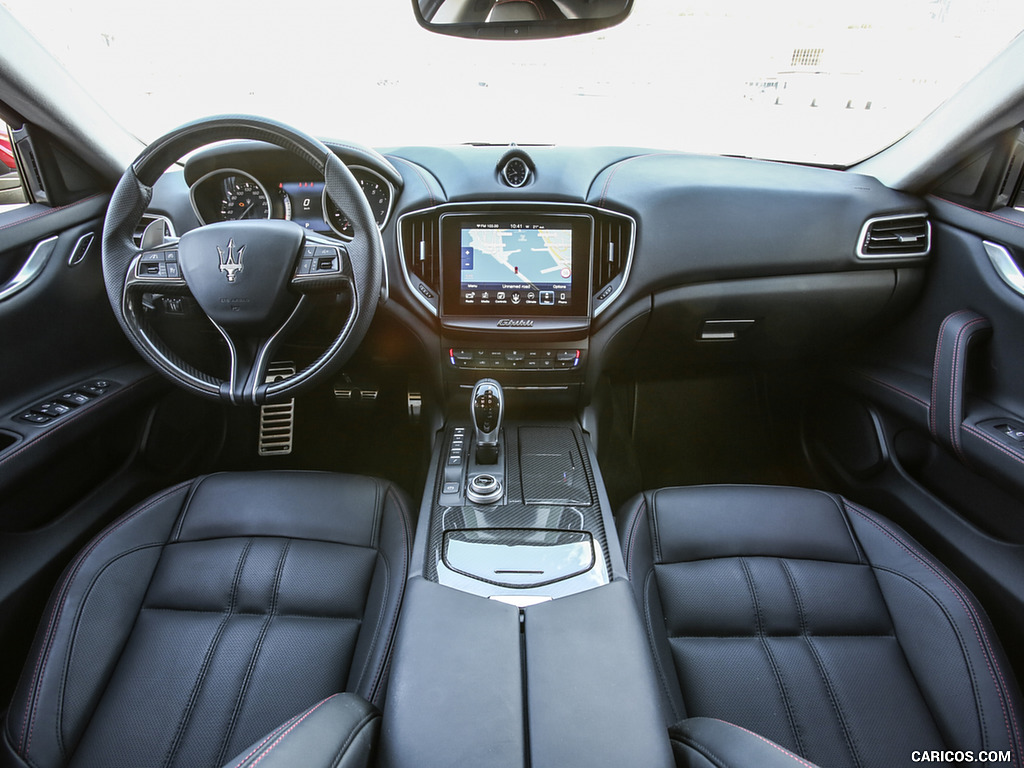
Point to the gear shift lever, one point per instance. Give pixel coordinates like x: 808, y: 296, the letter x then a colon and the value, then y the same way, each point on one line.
x: 487, y: 406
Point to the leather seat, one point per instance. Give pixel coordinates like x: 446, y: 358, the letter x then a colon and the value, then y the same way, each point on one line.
x: 210, y: 615
x: 815, y: 624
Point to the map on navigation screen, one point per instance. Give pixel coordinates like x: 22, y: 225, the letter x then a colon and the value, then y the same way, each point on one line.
x: 516, y: 266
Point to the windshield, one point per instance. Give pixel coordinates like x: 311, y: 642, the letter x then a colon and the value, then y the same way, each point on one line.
x: 798, y: 80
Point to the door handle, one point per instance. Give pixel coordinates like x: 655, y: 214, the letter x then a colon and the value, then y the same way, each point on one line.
x: 949, y: 374
x: 31, y: 269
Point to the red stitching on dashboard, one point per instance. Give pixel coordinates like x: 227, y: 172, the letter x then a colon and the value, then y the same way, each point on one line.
x: 48, y: 211
x: 1008, y: 720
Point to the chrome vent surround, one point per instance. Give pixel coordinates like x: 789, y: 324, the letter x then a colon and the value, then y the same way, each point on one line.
x: 614, y: 236
x: 515, y: 171
x: 895, y: 237
x: 420, y: 245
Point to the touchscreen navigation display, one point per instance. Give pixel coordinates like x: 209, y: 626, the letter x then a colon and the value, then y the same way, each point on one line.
x: 516, y: 264
x: 525, y: 265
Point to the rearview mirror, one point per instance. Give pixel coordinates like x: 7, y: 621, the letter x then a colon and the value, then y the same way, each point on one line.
x: 519, y: 19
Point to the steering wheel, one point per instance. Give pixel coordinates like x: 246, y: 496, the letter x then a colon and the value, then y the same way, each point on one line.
x: 252, y: 279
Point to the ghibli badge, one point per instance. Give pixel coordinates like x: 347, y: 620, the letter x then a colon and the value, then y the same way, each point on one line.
x: 506, y: 323
x: 230, y: 260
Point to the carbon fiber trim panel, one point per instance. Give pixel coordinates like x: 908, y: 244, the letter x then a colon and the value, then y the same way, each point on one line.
x: 551, y: 500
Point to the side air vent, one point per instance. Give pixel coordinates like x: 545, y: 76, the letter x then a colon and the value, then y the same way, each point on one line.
x: 421, y: 257
x: 144, y: 223
x: 895, y: 236
x: 613, y: 253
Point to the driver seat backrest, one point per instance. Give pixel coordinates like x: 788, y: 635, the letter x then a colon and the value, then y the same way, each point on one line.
x: 209, y: 615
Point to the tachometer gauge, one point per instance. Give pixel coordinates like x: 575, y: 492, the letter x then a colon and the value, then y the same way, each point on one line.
x: 243, y: 198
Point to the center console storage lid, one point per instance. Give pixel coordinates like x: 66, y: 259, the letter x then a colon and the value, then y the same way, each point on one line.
x: 592, y: 693
x: 455, y: 693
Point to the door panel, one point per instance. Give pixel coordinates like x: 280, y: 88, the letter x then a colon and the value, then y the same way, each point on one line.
x: 942, y: 394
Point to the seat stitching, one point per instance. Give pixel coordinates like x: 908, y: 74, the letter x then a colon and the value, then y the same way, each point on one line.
x: 861, y: 556
x: 400, y: 588
x: 186, y: 716
x: 655, y: 533
x: 819, y: 662
x: 772, y: 744
x: 286, y: 728
x: 1009, y: 720
x: 663, y: 678
x: 770, y: 656
x: 28, y: 722
x: 352, y: 736
x: 632, y: 535
x: 65, y: 671
x: 956, y: 633
x: 186, y: 506
x: 689, y: 740
x: 257, y: 648
x: 380, y: 619
x: 252, y: 613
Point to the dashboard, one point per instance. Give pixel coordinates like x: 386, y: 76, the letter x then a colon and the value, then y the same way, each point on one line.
x: 554, y: 264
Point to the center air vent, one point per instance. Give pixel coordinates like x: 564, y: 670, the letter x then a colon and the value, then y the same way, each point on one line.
x: 613, y: 254
x: 895, y: 236
x: 421, y: 257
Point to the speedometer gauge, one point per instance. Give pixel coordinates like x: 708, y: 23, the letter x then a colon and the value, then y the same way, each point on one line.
x: 243, y: 199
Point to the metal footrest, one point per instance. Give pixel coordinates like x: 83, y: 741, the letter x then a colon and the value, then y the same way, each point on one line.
x: 277, y: 422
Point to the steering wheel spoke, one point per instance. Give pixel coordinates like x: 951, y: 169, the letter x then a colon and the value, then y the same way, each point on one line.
x: 156, y: 269
x: 323, y: 265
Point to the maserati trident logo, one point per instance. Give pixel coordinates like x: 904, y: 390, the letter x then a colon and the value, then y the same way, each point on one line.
x: 506, y: 323
x: 230, y: 260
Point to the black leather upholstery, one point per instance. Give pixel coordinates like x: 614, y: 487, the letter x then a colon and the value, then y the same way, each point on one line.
x: 816, y: 624
x: 211, y: 614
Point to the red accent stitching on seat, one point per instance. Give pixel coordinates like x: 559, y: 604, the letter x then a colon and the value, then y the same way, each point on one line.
x: 986, y: 647
x: 781, y: 749
x: 28, y: 723
x: 279, y: 738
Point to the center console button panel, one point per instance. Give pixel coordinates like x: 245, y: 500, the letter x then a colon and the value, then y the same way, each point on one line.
x: 525, y: 358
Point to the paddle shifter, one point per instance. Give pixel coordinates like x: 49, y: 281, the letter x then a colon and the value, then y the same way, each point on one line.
x: 487, y: 406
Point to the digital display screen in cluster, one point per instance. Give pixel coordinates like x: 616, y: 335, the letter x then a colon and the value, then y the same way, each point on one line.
x: 304, y: 204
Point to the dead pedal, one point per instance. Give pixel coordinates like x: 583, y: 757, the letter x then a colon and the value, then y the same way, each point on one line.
x: 277, y: 421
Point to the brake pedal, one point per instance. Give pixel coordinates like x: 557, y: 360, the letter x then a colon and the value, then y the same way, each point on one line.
x: 277, y: 421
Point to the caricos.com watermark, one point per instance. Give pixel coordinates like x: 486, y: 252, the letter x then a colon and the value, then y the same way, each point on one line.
x: 960, y: 756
